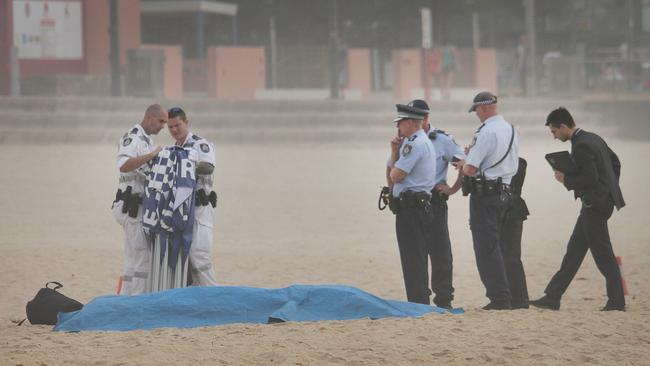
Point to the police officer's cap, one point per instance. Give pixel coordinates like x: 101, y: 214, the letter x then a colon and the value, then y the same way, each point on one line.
x: 417, y: 109
x: 483, y: 98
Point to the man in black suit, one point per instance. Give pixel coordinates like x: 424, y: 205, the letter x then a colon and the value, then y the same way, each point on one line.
x: 595, y: 182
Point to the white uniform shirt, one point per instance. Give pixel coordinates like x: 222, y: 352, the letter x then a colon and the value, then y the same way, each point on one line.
x: 201, y: 150
x: 490, y: 144
x: 134, y: 143
x: 446, y: 149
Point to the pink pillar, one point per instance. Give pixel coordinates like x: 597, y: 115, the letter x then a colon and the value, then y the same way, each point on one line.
x: 407, y: 73
x: 234, y: 73
x: 485, y: 64
x: 358, y: 70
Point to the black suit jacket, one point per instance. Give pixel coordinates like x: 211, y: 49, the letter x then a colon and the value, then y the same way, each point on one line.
x: 598, y: 172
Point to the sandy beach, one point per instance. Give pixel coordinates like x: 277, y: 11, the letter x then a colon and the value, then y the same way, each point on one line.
x: 307, y: 214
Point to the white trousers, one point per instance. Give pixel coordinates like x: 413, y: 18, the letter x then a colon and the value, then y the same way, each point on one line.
x: 200, y: 263
x: 136, y: 252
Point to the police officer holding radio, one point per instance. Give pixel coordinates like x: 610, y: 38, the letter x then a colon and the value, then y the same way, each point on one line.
x: 412, y: 174
x: 135, y: 151
x: 491, y: 163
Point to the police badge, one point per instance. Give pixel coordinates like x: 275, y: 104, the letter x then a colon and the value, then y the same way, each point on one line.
x: 127, y: 141
x: 406, y: 149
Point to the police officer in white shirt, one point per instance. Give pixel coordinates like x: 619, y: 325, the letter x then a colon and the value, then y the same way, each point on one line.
x: 201, y: 151
x: 412, y: 174
x: 491, y: 163
x: 135, y: 151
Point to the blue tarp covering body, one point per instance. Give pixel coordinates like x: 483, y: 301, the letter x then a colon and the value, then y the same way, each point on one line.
x: 206, y: 306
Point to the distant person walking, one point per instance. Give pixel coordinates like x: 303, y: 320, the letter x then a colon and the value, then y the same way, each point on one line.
x: 448, y: 66
x: 521, y: 64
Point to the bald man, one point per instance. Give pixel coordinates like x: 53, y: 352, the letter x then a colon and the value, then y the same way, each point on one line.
x: 135, y: 151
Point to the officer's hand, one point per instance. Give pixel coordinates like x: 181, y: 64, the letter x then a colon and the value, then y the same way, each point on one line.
x: 559, y: 176
x: 459, y: 164
x: 444, y: 188
x: 395, y: 143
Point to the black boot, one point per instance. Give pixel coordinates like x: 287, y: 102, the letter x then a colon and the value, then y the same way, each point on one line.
x: 546, y: 302
x: 498, y: 305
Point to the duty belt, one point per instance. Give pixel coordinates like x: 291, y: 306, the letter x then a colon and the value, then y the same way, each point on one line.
x: 410, y: 199
x: 481, y: 186
x: 131, y: 201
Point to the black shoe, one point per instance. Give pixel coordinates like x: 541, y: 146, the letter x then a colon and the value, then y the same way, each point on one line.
x: 613, y: 308
x: 445, y: 305
x: 546, y: 303
x: 520, y: 305
x: 498, y: 305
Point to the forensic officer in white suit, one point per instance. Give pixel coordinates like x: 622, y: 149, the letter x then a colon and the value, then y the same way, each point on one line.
x: 492, y: 161
x: 135, y: 151
x: 201, y: 151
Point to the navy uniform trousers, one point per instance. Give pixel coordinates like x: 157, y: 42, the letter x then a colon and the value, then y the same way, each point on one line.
x: 485, y: 219
x: 511, y: 232
x: 590, y: 233
x: 440, y: 253
x: 412, y: 227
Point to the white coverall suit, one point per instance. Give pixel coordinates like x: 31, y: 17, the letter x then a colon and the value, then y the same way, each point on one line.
x: 202, y: 150
x: 136, y: 251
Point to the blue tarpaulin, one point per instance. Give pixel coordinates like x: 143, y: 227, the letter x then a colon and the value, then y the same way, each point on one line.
x: 205, y: 306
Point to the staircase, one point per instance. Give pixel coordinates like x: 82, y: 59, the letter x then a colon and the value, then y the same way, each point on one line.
x: 104, y: 120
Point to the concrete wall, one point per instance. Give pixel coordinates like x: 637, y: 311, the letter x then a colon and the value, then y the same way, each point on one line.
x: 234, y: 73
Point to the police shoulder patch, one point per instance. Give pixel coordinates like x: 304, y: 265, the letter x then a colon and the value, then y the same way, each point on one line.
x: 432, y: 135
x: 407, y: 149
x: 205, y: 148
x: 127, y: 141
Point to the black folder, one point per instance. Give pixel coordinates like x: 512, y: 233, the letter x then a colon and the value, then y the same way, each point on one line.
x: 561, y: 161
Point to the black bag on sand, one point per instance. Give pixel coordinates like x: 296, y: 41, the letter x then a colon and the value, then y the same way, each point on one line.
x: 47, y: 303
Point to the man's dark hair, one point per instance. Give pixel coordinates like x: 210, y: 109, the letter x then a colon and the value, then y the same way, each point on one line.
x: 176, y: 112
x: 560, y: 116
